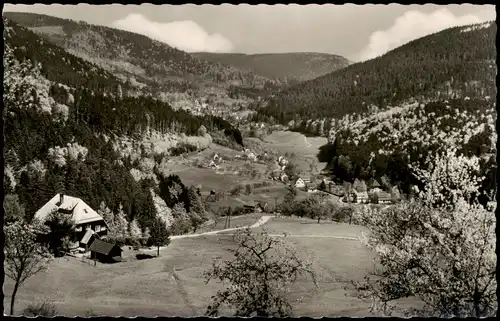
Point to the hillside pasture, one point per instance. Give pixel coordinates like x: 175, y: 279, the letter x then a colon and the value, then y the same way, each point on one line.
x: 236, y: 221
x: 304, y: 148
x: 173, y: 284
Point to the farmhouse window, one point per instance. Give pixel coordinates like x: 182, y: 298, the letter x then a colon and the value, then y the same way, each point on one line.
x: 98, y: 228
x: 103, y: 228
x: 78, y: 229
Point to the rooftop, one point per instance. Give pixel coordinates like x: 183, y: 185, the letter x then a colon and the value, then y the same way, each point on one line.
x: 81, y: 212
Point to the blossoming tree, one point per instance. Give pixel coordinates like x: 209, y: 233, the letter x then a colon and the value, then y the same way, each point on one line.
x: 24, y: 256
x: 439, y: 249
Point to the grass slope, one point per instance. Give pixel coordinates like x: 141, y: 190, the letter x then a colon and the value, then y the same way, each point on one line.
x: 173, y: 284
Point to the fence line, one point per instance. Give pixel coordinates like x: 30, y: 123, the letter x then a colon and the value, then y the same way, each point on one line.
x: 82, y: 259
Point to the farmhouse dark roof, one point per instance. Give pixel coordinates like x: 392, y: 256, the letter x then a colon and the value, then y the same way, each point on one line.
x: 375, y: 183
x: 101, y: 247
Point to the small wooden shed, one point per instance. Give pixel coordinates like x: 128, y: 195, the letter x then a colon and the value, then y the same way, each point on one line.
x: 105, y: 252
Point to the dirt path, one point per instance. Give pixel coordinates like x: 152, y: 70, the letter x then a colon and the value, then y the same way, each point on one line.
x: 263, y: 220
x: 314, y: 236
x: 182, y: 292
x: 307, y: 142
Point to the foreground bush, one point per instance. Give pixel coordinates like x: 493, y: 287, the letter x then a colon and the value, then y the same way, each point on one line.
x: 43, y: 308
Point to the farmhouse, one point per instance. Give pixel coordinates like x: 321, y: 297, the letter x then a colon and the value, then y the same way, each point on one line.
x: 88, y: 239
x: 384, y: 198
x: 82, y: 215
x: 249, y: 207
x: 360, y: 197
x: 299, y: 183
x: 251, y: 156
x: 105, y: 252
x: 262, y: 207
x: 375, y: 186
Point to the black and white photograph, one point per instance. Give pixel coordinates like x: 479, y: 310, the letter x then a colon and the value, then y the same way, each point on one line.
x: 237, y: 160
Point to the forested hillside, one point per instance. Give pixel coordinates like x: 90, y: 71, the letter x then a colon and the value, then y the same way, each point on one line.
x: 456, y: 62
x: 64, y: 122
x: 385, y: 146
x: 136, y: 58
x: 290, y: 67
x: 55, y: 63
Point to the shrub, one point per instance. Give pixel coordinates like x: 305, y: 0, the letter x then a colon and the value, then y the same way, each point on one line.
x: 42, y: 308
x: 144, y: 256
x: 236, y: 190
x: 248, y: 189
x: 119, y: 241
x: 180, y: 225
x: 143, y: 241
x: 181, y: 148
x: 343, y: 214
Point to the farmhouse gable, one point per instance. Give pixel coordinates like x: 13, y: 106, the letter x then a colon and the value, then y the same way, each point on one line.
x: 81, y: 212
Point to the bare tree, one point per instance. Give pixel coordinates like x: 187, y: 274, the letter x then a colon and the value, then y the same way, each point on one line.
x: 259, y: 275
x: 24, y: 256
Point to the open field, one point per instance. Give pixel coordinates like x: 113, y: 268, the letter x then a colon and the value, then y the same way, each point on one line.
x: 305, y: 148
x: 209, y: 178
x: 304, y: 226
x: 173, y: 284
x: 236, y: 221
x: 271, y: 195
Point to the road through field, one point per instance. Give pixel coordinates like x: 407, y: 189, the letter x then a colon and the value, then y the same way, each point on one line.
x: 313, y: 236
x: 263, y: 220
x: 307, y: 142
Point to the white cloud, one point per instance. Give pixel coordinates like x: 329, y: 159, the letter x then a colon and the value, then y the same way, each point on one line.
x: 410, y: 26
x: 185, y: 35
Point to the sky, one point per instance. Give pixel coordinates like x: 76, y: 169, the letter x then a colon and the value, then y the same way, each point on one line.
x: 357, y: 32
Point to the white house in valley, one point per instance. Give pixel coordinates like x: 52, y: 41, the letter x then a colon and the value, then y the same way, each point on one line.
x: 299, y: 183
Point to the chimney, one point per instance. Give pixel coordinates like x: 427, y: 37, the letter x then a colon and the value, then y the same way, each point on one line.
x: 61, y: 199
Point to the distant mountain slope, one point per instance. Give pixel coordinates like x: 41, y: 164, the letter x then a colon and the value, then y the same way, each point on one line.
x: 130, y: 55
x: 297, y: 66
x: 57, y: 65
x: 458, y: 61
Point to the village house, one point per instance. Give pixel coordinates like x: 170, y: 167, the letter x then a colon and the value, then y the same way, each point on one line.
x: 251, y: 156
x: 262, y: 206
x: 384, y: 198
x: 83, y: 216
x: 284, y: 178
x: 249, y: 207
x: 360, y: 197
x: 375, y: 186
x: 300, y: 183
x: 105, y: 252
x: 282, y: 161
x: 329, y: 185
x: 213, y: 165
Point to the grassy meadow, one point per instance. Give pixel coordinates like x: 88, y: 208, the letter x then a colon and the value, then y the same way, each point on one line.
x: 173, y: 284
